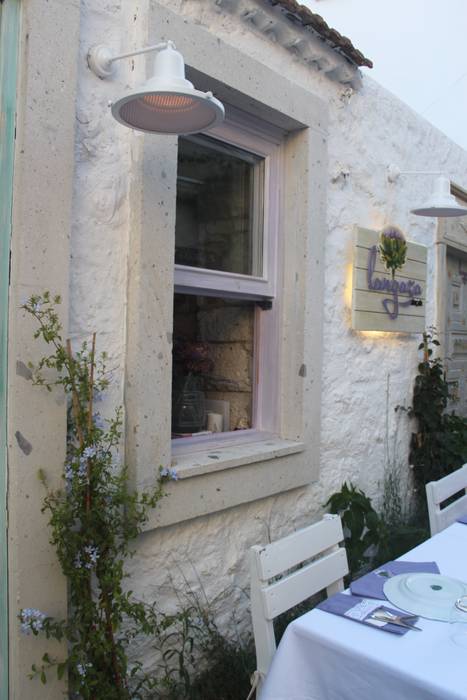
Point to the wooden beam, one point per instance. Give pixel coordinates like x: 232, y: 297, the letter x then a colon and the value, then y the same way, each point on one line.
x: 9, y: 29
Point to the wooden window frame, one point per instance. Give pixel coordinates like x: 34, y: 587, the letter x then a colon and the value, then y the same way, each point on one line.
x: 258, y: 138
x: 266, y: 143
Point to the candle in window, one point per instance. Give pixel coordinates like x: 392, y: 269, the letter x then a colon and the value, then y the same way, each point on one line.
x: 215, y: 421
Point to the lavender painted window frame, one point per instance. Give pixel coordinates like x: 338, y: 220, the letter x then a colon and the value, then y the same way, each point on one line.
x: 255, y: 137
x: 260, y: 138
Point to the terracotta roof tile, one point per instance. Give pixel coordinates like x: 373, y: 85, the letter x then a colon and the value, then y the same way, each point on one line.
x: 304, y: 16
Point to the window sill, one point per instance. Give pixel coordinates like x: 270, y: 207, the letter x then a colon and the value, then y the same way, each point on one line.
x: 217, y: 458
x: 215, y: 479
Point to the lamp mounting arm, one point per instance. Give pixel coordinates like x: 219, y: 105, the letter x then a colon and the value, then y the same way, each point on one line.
x: 100, y: 58
x: 394, y: 172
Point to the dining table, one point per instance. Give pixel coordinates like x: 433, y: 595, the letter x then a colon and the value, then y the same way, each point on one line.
x: 324, y: 656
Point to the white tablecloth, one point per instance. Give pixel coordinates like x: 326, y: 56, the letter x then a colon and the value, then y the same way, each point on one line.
x: 326, y: 657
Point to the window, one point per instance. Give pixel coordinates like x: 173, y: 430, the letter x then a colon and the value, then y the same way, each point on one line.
x: 287, y: 126
x: 225, y: 305
x: 220, y: 207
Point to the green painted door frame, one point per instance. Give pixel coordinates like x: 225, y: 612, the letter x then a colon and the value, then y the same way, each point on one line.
x: 9, y: 33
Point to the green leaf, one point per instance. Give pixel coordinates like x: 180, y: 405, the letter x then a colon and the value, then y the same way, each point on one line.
x: 372, y: 520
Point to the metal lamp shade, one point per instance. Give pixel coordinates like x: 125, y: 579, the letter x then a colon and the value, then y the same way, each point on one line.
x: 168, y: 103
x: 168, y: 112
x: 442, y: 202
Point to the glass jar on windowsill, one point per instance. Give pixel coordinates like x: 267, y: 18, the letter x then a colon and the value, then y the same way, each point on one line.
x: 188, y: 405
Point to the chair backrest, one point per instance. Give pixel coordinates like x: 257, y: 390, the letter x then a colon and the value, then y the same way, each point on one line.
x: 439, y: 491
x: 270, y: 598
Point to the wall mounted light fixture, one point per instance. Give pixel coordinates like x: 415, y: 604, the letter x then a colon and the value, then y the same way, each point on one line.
x: 441, y: 202
x: 167, y: 103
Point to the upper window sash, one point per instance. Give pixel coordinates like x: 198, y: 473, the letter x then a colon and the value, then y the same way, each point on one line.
x: 244, y: 134
x: 195, y: 280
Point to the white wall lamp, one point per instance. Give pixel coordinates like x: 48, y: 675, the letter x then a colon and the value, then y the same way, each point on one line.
x: 167, y: 103
x: 441, y: 202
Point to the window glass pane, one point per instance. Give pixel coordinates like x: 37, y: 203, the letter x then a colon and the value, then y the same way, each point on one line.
x: 213, y: 383
x: 219, y: 224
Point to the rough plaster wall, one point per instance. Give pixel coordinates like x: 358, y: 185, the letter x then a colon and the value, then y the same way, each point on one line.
x: 101, y: 214
x: 368, y: 130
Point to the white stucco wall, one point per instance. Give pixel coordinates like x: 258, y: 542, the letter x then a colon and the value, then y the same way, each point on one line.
x: 368, y: 130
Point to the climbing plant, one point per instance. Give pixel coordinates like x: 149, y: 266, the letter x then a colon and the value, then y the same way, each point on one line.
x: 439, y: 444
x: 93, y: 517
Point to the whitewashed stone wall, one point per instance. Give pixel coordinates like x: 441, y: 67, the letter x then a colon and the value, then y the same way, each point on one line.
x: 368, y: 130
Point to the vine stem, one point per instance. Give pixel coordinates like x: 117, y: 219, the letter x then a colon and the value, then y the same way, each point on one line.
x: 91, y: 381
x: 110, y: 637
x: 107, y: 607
x: 91, y: 391
x: 74, y: 394
x: 426, y: 354
x: 79, y: 430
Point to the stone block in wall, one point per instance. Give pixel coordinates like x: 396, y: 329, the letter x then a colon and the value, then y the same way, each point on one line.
x: 240, y: 407
x: 232, y: 367
x: 226, y: 324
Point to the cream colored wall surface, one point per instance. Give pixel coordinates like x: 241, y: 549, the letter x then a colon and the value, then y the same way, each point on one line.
x: 40, y: 255
x: 368, y: 129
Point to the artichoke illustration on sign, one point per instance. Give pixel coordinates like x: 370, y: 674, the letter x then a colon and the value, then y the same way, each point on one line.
x: 392, y: 249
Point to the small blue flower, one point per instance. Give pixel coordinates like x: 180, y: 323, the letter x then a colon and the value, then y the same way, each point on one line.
x: 98, y: 421
x: 82, y: 669
x: 32, y: 620
x: 169, y: 473
x: 69, y: 472
x: 88, y: 558
x: 89, y: 452
x: 92, y: 554
x: 83, y: 468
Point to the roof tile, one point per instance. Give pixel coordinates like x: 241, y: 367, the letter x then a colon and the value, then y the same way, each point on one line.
x: 304, y: 16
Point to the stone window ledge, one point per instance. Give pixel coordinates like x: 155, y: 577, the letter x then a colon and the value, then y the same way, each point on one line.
x: 242, y: 473
x: 218, y: 458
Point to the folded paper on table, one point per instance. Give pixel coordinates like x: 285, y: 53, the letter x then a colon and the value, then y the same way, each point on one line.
x: 371, y: 585
x: 359, y: 609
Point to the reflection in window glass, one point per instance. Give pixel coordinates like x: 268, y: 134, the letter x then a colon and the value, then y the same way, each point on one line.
x: 212, y: 385
x: 219, y: 224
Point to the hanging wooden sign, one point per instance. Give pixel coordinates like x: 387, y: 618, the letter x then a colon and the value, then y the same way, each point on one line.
x: 389, y: 282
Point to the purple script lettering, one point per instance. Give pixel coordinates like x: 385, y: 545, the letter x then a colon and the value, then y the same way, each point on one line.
x: 378, y: 284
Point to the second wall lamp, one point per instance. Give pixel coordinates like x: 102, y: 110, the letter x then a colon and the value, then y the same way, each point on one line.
x: 167, y: 103
x: 441, y: 202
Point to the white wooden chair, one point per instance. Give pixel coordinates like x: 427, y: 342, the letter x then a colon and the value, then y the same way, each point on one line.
x: 269, y: 599
x: 439, y: 491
